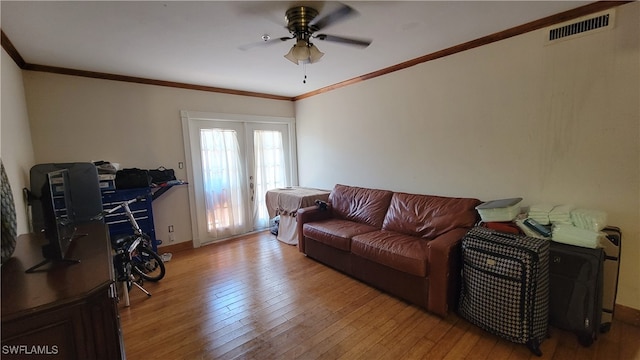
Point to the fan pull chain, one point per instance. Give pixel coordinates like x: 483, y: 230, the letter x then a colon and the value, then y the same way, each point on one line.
x: 304, y: 67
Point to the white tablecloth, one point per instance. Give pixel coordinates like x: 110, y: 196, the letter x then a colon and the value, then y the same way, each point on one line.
x: 286, y: 202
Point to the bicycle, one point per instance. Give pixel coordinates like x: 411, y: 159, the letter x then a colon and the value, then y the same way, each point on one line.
x: 133, y: 253
x: 126, y: 249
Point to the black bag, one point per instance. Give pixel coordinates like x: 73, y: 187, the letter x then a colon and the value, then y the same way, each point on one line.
x: 162, y: 175
x: 132, y: 178
x: 575, y: 301
x: 505, y: 285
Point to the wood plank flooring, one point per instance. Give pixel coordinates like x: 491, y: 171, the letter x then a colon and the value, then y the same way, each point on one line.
x: 257, y: 298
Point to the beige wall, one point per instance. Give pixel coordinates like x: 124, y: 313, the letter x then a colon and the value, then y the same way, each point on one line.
x: 557, y: 123
x: 16, y: 149
x: 82, y: 119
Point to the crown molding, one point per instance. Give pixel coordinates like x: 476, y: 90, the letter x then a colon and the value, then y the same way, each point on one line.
x: 139, y: 80
x: 22, y: 64
x: 11, y: 50
x: 518, y: 30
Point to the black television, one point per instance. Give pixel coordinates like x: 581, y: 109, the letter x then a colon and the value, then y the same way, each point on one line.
x: 59, y: 218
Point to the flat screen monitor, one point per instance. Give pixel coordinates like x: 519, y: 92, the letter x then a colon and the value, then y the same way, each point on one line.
x: 58, y: 216
x: 85, y: 191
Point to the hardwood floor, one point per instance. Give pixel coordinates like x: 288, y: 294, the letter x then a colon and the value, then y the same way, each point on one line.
x: 257, y: 298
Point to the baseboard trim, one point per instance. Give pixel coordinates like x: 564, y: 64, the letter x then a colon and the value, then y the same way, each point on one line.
x: 181, y: 246
x: 627, y: 315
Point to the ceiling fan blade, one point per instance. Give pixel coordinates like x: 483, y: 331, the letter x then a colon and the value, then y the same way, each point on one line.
x: 333, y: 17
x: 349, y: 41
x: 264, y: 43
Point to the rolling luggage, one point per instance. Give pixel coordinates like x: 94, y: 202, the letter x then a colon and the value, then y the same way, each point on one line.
x: 505, y: 285
x: 611, y: 247
x: 575, y: 294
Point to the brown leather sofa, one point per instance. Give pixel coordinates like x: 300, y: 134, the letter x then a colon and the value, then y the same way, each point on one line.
x: 404, y: 244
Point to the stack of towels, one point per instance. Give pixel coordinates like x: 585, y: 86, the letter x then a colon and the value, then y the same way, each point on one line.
x: 540, y: 213
x: 580, y: 227
x: 573, y: 235
x: 561, y: 214
x: 589, y: 219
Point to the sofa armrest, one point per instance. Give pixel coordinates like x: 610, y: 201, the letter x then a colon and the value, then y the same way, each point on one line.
x: 309, y: 214
x: 444, y: 271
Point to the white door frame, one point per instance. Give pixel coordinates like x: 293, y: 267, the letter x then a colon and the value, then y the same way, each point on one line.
x: 189, y: 120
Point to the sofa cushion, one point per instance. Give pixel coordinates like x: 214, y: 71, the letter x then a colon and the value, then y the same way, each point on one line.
x: 335, y: 232
x: 428, y: 216
x: 366, y: 206
x: 398, y: 251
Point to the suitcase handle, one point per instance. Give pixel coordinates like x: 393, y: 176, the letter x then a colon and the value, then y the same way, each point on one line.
x: 508, y: 236
x: 503, y: 235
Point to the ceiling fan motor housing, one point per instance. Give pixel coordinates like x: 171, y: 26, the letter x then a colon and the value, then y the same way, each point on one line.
x: 299, y: 22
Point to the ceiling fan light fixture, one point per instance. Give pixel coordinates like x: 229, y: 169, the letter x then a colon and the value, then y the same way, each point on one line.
x: 304, y: 52
x: 301, y: 50
x: 289, y: 56
x: 314, y: 54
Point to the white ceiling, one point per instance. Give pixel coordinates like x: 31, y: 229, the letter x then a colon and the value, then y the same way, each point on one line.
x: 198, y: 42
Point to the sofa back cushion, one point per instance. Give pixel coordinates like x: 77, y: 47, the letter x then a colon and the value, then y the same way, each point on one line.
x: 366, y: 206
x: 428, y: 216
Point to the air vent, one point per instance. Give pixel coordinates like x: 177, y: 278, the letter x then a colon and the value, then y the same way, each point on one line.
x: 582, y: 26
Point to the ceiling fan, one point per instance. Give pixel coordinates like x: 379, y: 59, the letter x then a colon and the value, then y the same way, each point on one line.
x: 303, y: 24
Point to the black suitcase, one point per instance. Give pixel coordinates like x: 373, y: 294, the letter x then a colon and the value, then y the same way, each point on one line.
x: 505, y: 285
x: 575, y: 281
x: 611, y: 247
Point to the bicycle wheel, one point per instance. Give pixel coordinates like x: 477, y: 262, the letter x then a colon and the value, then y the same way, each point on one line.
x: 148, y: 264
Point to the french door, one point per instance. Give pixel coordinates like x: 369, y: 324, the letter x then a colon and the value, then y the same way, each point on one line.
x: 233, y: 161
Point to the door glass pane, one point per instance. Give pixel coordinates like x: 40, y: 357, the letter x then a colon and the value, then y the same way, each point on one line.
x: 270, y: 171
x: 222, y: 179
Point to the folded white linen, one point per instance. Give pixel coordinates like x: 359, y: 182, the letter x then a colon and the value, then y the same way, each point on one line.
x: 541, y: 208
x: 569, y: 234
x: 540, y: 213
x: 589, y: 219
x: 561, y: 214
x: 543, y: 220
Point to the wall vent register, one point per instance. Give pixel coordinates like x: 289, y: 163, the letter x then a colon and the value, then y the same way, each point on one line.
x: 581, y: 26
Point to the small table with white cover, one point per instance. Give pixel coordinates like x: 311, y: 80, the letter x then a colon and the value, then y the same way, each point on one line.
x: 286, y: 202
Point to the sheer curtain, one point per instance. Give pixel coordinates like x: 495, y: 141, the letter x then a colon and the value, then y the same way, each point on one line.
x: 269, y: 171
x: 222, y: 177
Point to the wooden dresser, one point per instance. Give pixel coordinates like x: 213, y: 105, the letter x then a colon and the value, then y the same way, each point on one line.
x: 65, y: 311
